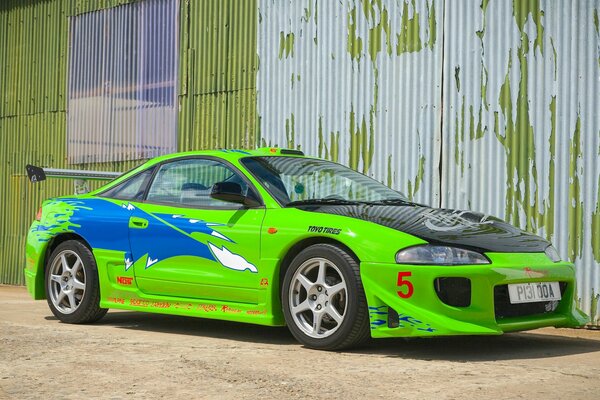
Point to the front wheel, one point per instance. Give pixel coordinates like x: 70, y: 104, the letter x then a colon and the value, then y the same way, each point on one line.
x: 72, y: 287
x: 323, y: 299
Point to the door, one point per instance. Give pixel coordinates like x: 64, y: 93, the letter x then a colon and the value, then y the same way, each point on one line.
x: 187, y: 244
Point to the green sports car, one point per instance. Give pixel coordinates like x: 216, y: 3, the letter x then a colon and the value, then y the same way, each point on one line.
x: 273, y: 237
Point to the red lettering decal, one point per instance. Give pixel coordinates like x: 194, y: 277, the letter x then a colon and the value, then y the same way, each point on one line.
x: 403, y: 282
x: 124, y: 280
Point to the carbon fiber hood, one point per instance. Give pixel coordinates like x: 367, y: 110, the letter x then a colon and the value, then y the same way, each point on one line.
x: 466, y: 229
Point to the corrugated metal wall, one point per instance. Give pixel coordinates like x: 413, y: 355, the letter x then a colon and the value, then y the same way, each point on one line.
x: 360, y: 82
x: 471, y: 104
x: 356, y: 82
x: 218, y: 74
x: 217, y: 97
x: 122, y: 90
x: 522, y: 122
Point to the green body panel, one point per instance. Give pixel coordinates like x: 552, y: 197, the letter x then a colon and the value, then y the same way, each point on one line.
x: 203, y: 285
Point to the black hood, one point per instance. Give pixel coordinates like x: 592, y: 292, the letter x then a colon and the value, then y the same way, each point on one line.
x: 466, y: 229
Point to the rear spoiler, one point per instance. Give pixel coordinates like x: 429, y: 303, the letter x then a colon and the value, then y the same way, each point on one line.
x: 38, y: 174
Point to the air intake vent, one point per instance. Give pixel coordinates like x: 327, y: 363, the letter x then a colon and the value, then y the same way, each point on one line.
x: 454, y: 292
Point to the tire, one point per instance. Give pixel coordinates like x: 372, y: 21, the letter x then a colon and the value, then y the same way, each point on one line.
x: 72, y: 287
x: 325, y: 311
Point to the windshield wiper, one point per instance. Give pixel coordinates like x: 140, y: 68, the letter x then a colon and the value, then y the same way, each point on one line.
x: 321, y: 201
x: 397, y: 201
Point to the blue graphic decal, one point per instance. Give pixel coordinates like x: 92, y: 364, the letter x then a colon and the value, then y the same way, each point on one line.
x: 105, y: 225
x: 404, y: 320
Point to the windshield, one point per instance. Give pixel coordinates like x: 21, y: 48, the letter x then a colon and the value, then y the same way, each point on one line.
x: 294, y: 181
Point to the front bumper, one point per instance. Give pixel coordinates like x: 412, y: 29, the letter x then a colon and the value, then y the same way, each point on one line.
x: 396, y: 312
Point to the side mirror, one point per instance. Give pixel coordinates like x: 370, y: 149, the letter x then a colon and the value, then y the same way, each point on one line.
x: 231, y: 192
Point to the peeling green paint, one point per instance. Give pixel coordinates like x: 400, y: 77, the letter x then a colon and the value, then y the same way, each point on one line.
x: 457, y: 77
x: 519, y: 145
x: 390, y: 173
x: 521, y: 11
x: 409, y: 40
x: 475, y: 132
x: 575, y: 203
x: 432, y: 25
x: 286, y: 45
x: 459, y: 137
x: 375, y: 34
x: 361, y: 143
x: 594, y: 308
x: 547, y: 218
x: 595, y: 237
x: 597, y: 25
x: 555, y: 57
x: 322, y: 147
x: 413, y: 189
x: 334, y: 146
x: 290, y: 132
x: 354, y: 44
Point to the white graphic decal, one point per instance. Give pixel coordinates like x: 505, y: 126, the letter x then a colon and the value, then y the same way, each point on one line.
x: 128, y: 263
x: 193, y: 221
x: 230, y: 260
x: 220, y: 236
x: 128, y: 206
x: 151, y: 261
x: 452, y: 222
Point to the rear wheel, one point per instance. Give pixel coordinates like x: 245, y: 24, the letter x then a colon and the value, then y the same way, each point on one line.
x: 72, y: 287
x: 323, y: 299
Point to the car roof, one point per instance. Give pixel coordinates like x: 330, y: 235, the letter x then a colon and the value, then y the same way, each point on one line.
x: 230, y: 154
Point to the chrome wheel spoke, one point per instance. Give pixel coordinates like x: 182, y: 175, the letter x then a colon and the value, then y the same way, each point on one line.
x: 64, y: 263
x: 71, y: 297
x: 317, y: 297
x: 333, y: 313
x: 60, y: 297
x: 317, y: 320
x: 304, y: 281
x: 322, y: 271
x: 76, y: 267
x: 335, y: 289
x: 301, y: 307
x: 78, y: 284
x: 66, y: 282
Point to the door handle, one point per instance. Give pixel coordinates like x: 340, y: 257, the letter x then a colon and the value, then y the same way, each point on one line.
x: 138, y: 223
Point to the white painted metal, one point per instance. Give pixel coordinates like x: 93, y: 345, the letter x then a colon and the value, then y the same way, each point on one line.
x: 122, y: 82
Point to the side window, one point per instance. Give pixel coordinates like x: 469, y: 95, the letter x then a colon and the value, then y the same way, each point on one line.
x: 131, y: 189
x: 189, y: 182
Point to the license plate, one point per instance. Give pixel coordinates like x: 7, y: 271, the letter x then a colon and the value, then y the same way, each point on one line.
x: 533, y: 292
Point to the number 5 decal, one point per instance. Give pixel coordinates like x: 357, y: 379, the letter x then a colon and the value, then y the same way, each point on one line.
x: 408, y: 292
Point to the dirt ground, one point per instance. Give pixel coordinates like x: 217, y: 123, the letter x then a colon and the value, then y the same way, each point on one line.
x: 137, y: 355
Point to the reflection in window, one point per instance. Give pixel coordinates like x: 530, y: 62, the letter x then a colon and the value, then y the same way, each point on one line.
x: 190, y: 182
x: 122, y: 83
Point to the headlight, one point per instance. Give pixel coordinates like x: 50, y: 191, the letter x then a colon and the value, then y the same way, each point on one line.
x: 439, y: 255
x: 552, y: 254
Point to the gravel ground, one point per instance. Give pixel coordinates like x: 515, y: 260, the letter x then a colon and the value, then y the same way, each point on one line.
x: 131, y: 355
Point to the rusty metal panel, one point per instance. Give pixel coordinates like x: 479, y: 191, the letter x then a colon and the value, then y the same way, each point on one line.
x: 358, y: 82
x: 521, y: 123
x: 29, y: 30
x: 33, y: 65
x: 122, y: 82
x: 217, y: 74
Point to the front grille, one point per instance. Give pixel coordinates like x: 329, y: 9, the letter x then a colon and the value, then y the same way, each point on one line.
x: 504, y: 309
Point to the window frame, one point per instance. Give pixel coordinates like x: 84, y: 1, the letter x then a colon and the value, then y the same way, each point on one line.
x: 234, y: 206
x: 242, y: 162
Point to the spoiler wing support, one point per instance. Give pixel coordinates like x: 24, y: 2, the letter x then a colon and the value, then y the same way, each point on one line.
x: 38, y: 174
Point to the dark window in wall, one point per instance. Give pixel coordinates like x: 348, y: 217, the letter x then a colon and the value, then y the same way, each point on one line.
x: 122, y: 82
